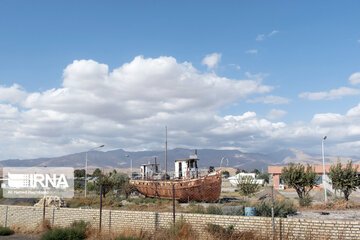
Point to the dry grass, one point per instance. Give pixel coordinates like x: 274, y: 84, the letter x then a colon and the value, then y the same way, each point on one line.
x: 157, y: 206
x: 336, y: 205
x: 30, y: 231
x: 94, y: 202
x: 182, y: 230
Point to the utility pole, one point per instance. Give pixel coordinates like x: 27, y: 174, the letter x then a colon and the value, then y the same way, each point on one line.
x: 86, y: 165
x: 324, y: 173
x: 165, y: 152
x: 101, y: 193
x: 272, y: 211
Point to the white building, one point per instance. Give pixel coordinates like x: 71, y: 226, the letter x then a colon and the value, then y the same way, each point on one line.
x: 236, y: 179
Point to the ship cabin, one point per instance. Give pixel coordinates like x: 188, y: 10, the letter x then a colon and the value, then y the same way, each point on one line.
x: 187, y: 168
x: 149, y: 170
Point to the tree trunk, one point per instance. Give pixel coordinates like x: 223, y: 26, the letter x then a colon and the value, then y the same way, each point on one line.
x: 346, y: 195
x: 299, y: 193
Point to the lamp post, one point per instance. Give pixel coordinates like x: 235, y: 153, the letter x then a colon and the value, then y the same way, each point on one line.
x: 86, y: 164
x: 324, y: 173
x: 131, y: 168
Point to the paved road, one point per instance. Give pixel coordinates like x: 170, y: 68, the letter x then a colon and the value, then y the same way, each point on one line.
x: 17, y: 238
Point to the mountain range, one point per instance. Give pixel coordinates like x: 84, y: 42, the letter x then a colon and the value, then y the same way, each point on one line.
x: 208, y: 157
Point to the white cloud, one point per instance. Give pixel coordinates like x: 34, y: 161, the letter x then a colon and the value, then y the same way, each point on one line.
x: 260, y: 37
x: 211, y: 60
x: 274, y: 114
x: 128, y: 107
x: 235, y: 66
x: 270, y: 99
x: 13, y: 94
x: 273, y: 33
x: 252, y: 51
x: 139, y: 89
x: 354, y: 78
x: 332, y: 94
x: 257, y: 76
x: 7, y: 111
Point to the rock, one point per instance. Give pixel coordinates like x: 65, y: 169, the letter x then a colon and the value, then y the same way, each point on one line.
x: 52, y: 201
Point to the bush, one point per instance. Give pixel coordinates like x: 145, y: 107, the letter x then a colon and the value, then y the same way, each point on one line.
x: 180, y: 230
x: 77, y: 231
x: 127, y: 238
x: 220, y: 232
x: 197, y: 209
x: 192, y: 204
x: 64, y: 233
x: 142, y: 200
x: 214, y: 210
x: 82, y: 225
x: 305, y: 201
x: 236, y: 211
x: 281, y: 208
x: 5, y: 231
x: 247, y: 186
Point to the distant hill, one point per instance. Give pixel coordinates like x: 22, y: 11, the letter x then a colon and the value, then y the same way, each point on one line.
x: 208, y: 157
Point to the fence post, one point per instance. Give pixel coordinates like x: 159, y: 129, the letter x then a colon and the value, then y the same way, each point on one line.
x: 53, y: 218
x: 101, y: 192
x: 173, y: 190
x: 272, y: 211
x: 6, y: 216
x: 109, y: 221
x: 44, y: 208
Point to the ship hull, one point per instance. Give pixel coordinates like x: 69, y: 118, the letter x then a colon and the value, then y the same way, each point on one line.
x: 202, y: 189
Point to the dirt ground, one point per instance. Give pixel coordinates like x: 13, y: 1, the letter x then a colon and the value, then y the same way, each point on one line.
x: 350, y: 214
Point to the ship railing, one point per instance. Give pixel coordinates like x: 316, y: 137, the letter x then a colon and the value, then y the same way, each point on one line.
x: 172, y: 175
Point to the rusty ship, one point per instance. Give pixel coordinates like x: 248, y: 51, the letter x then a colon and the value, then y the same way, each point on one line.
x: 187, y: 183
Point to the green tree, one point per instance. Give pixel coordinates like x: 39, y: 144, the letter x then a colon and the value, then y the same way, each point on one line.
x: 127, y: 189
x: 256, y: 171
x: 303, y: 180
x: 247, y: 185
x: 345, y: 178
x: 97, y: 173
x: 226, y: 174
x: 237, y: 171
x: 119, y: 180
x: 106, y: 182
x: 265, y: 176
x: 79, y: 173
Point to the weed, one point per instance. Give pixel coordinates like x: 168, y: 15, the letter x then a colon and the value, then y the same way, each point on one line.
x: 305, y: 201
x: 214, y: 210
x: 77, y: 231
x: 181, y: 230
x: 281, y: 208
x: 196, y: 209
x: 5, y: 231
x: 127, y: 238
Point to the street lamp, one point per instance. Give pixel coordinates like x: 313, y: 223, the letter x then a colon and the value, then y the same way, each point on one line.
x: 86, y: 164
x: 131, y: 170
x: 323, y: 157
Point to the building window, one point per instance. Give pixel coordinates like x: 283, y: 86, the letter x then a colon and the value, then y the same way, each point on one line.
x: 319, y: 180
x: 282, y: 181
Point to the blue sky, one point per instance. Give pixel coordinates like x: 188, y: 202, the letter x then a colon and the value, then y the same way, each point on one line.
x: 292, y: 47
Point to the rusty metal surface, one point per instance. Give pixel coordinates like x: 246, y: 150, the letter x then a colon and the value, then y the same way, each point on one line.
x: 202, y: 189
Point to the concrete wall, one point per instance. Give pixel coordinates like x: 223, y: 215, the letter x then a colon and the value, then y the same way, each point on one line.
x: 117, y: 221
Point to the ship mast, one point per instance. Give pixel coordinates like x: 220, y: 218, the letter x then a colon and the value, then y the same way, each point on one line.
x: 165, y: 152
